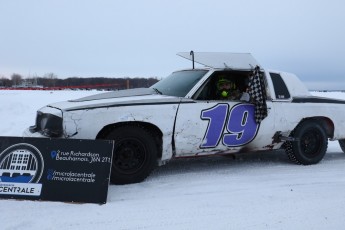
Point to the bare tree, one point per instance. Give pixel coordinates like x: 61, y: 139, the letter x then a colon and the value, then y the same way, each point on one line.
x: 16, y: 79
x: 51, y: 78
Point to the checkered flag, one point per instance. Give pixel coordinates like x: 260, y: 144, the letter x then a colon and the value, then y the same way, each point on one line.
x: 257, y: 93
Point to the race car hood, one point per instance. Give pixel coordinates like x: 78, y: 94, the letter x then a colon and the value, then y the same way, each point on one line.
x: 131, y: 97
x: 117, y: 94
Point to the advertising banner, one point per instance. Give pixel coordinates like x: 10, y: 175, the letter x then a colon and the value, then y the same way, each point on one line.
x: 68, y: 170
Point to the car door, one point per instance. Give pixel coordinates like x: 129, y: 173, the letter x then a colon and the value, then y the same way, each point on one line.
x: 210, y: 127
x: 214, y: 124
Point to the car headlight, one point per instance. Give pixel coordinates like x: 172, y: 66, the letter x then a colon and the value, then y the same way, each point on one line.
x: 48, y: 125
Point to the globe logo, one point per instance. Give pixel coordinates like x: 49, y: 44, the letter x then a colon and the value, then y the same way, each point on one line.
x: 21, y: 163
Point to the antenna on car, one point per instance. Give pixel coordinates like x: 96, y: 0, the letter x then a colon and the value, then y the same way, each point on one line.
x: 192, y: 53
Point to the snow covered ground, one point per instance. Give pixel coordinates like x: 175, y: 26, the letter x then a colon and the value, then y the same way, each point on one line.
x: 253, y: 191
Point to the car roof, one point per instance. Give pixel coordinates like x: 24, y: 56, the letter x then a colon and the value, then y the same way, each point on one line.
x: 222, y: 60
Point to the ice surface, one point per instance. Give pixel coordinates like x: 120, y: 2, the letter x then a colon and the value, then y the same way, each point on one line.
x: 252, y: 191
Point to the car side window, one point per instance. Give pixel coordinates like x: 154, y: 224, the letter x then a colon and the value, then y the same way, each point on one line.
x: 224, y: 86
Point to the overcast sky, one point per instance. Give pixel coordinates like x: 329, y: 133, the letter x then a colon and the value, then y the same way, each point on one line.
x: 114, y: 38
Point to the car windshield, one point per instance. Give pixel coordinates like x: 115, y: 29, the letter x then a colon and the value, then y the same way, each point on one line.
x: 179, y: 83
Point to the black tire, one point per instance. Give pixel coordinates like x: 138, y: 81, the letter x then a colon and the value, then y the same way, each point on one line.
x: 134, y: 154
x: 342, y: 144
x: 310, y: 145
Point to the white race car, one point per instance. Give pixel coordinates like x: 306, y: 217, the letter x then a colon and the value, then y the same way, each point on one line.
x: 229, y: 106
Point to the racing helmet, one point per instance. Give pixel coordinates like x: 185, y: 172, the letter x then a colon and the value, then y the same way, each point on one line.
x: 224, y: 86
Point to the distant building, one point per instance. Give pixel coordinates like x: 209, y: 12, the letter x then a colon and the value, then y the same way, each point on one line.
x: 28, y: 84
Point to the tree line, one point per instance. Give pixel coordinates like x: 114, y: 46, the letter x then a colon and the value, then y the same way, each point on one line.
x: 51, y: 80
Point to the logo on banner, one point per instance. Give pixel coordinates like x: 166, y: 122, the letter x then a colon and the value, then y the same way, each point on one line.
x: 21, y: 168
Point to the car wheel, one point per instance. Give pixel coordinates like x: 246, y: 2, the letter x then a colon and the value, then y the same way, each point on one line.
x: 134, y: 154
x: 342, y: 144
x: 310, y: 145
